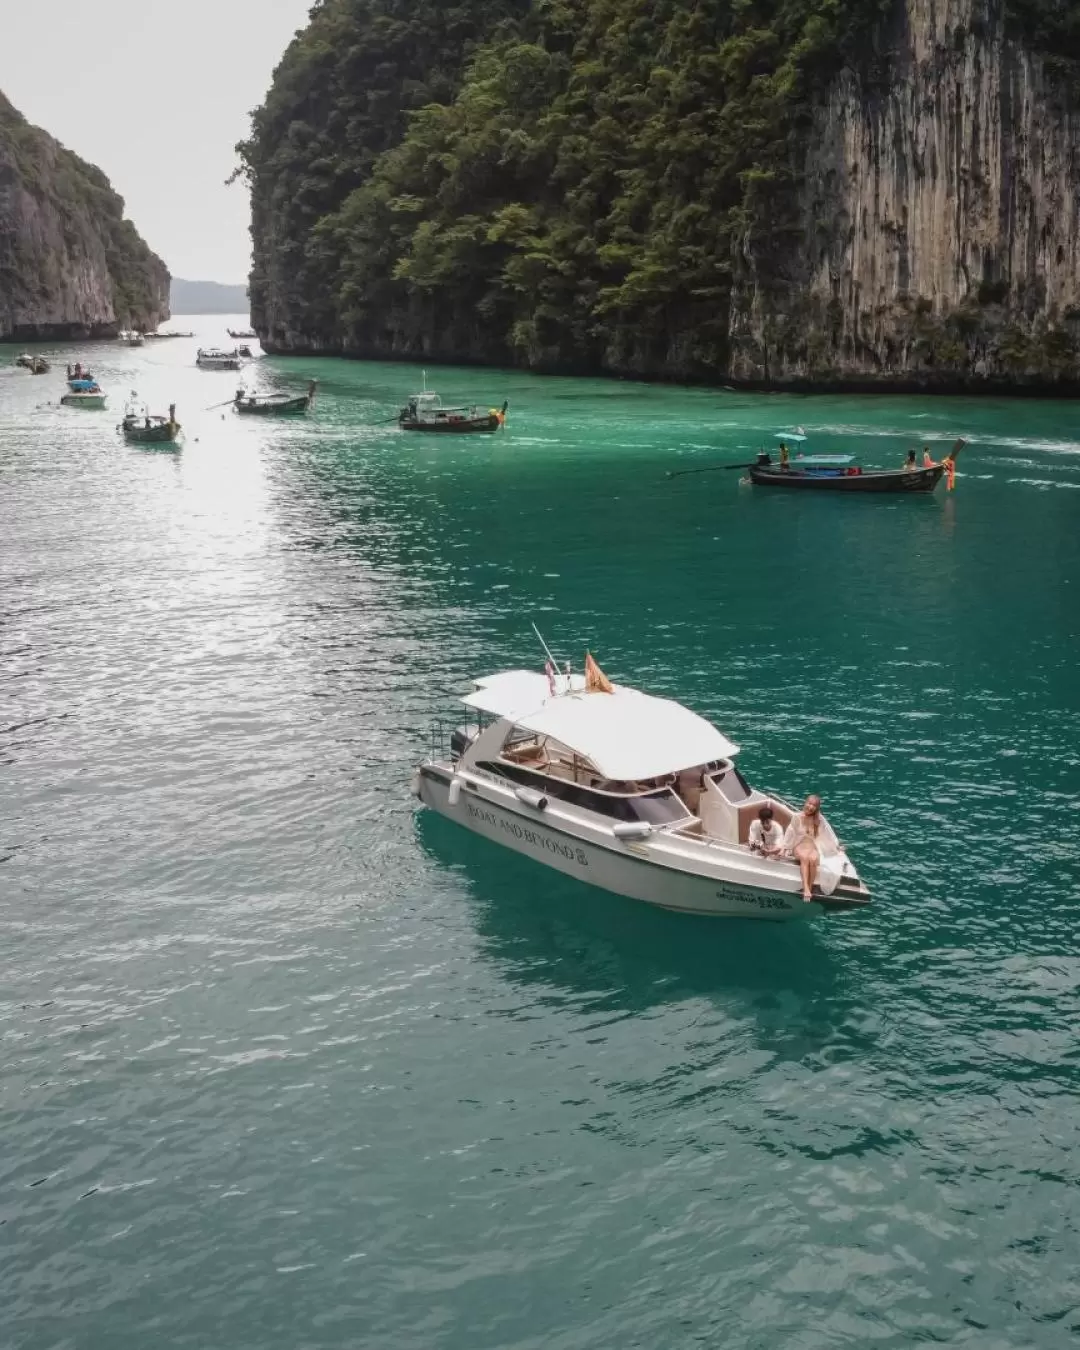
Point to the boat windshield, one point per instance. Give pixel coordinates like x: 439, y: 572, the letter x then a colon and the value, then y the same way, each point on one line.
x: 660, y: 807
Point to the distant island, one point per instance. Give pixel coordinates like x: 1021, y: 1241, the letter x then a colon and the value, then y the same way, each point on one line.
x: 207, y: 297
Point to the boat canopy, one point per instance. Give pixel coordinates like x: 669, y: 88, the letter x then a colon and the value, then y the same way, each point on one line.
x: 824, y: 460
x: 627, y: 735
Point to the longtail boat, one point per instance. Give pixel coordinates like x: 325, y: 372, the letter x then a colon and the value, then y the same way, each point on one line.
x: 271, y: 405
x: 839, y: 473
x: 425, y: 412
x: 144, y: 428
x: 213, y: 358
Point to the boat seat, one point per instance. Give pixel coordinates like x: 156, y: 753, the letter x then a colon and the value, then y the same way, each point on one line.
x: 525, y: 751
x: 748, y: 814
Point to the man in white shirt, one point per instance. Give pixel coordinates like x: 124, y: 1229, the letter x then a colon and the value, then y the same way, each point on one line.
x: 766, y: 837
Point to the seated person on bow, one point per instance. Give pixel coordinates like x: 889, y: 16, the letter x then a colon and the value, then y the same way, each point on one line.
x: 811, y: 842
x: 766, y: 837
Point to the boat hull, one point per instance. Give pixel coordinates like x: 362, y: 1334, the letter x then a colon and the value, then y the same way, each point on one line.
x: 227, y: 363
x: 92, y: 401
x: 283, y: 408
x: 898, y: 481
x: 162, y: 434
x: 648, y: 871
x: 465, y: 426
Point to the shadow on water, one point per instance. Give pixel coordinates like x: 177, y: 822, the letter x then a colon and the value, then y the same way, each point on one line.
x: 542, y: 928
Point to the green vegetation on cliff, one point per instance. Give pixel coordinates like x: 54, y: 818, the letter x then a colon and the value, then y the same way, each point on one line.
x: 578, y: 182
x: 68, y: 257
x: 574, y: 184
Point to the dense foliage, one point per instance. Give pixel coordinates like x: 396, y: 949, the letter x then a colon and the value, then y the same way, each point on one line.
x: 578, y: 184
x: 81, y: 198
x: 571, y: 182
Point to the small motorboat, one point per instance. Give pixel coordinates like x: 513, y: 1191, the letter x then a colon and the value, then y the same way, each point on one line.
x: 840, y: 473
x: 142, y: 427
x: 84, y: 394
x: 635, y: 794
x: 213, y: 358
x: 160, y: 337
x: 235, y: 333
x: 425, y: 412
x: 25, y: 361
x: 132, y: 338
x: 270, y: 405
x: 36, y: 365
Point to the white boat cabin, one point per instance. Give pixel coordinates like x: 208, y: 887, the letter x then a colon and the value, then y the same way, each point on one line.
x: 427, y: 409
x: 625, y: 756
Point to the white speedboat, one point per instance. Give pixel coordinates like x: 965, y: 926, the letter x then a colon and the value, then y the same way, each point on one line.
x: 213, y: 358
x: 92, y: 397
x: 132, y: 338
x: 634, y: 794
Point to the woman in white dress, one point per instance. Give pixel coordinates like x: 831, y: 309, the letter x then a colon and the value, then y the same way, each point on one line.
x: 811, y: 842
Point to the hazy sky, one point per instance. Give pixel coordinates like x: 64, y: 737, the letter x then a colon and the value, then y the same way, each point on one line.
x: 156, y: 93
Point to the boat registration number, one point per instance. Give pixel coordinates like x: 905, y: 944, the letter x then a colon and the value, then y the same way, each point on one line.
x: 758, y: 901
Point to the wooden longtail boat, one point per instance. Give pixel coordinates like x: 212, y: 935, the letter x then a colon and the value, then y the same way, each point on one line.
x: 270, y: 405
x: 143, y: 428
x: 36, y: 365
x: 213, y: 358
x: 425, y: 412
x: 837, y: 473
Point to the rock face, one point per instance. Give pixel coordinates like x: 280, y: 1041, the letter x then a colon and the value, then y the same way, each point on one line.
x: 925, y: 232
x: 71, y: 266
x: 940, y: 221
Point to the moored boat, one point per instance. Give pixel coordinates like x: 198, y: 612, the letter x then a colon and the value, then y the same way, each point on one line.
x: 36, y: 365
x: 213, y: 358
x: 84, y: 394
x: 235, y: 333
x: 634, y: 794
x: 132, y: 338
x: 270, y: 405
x: 425, y: 412
x: 142, y: 427
x: 840, y: 473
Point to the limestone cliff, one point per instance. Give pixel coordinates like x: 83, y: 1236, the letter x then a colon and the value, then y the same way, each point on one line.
x: 818, y: 192
x: 70, y: 264
x: 940, y: 220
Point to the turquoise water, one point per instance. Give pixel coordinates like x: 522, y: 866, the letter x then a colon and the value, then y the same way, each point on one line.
x: 286, y: 1065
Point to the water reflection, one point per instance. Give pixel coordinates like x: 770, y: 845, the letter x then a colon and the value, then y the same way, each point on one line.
x: 620, y: 956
